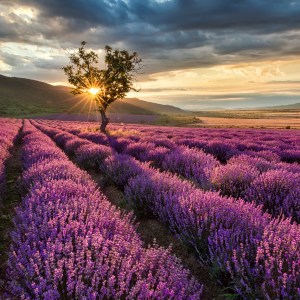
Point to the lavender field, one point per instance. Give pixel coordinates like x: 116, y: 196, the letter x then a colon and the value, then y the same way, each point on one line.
x: 229, y: 196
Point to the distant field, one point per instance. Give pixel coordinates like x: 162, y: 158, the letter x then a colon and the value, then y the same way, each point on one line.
x: 114, y: 118
x: 229, y: 119
x: 287, y: 119
x: 250, y: 114
x: 175, y: 120
x: 286, y: 123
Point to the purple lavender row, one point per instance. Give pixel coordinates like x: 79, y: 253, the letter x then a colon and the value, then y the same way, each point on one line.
x: 243, y: 245
x: 273, y: 184
x: 69, y: 242
x: 190, y: 163
x: 222, y: 143
x: 278, y: 189
x: 283, y: 140
x: 91, y: 155
x: 225, y: 143
x: 8, y: 134
x: 267, y: 144
x: 233, y: 236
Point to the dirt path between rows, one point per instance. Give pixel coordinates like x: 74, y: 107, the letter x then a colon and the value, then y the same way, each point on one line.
x: 152, y: 231
x: 11, y: 200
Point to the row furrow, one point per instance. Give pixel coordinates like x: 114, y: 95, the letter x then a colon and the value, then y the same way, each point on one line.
x: 268, y: 182
x: 69, y: 242
x: 245, y: 246
x: 8, y: 134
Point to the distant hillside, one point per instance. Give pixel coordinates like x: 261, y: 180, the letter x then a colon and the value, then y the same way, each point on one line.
x: 24, y: 97
x: 284, y: 107
x: 135, y: 106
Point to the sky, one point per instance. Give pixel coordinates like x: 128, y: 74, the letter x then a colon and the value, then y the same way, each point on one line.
x: 196, y: 54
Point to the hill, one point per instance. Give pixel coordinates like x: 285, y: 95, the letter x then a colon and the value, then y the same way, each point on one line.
x: 20, y: 97
x: 136, y: 106
x: 295, y: 106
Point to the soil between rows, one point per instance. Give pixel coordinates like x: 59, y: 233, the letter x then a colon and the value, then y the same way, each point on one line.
x: 152, y: 231
x: 11, y: 200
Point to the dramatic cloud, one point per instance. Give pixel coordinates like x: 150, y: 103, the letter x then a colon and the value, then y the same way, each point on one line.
x: 227, y: 101
x: 171, y: 35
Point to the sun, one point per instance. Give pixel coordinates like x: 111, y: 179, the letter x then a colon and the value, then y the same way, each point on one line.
x: 94, y: 91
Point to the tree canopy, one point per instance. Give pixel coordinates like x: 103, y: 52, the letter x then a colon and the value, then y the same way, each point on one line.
x: 105, y: 85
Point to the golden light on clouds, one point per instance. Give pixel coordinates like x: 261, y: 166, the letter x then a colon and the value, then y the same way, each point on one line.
x: 190, y: 55
x: 16, y: 13
x: 4, y: 66
x: 265, y: 76
x: 27, y: 14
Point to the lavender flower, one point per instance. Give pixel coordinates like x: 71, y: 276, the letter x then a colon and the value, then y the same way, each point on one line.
x: 69, y: 242
x: 278, y: 191
x: 233, y: 179
x: 192, y: 164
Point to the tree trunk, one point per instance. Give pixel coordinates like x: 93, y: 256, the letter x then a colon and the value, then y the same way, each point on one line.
x: 104, y: 121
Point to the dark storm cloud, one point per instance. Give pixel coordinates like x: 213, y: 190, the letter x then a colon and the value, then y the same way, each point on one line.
x: 178, y: 14
x: 170, y: 35
x: 7, y: 31
x: 92, y: 12
x: 12, y: 28
x: 50, y: 64
x: 12, y: 59
x: 261, y: 15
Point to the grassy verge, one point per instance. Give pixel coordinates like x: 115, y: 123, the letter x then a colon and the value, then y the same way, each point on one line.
x: 176, y: 120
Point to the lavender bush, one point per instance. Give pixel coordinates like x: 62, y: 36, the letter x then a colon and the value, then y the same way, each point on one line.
x: 233, y: 179
x: 248, y: 249
x: 119, y: 168
x: 261, y: 164
x: 69, y: 242
x: 278, y: 191
x: 191, y: 163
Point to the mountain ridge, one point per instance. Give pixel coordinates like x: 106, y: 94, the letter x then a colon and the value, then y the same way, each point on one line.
x: 22, y: 97
x: 284, y: 107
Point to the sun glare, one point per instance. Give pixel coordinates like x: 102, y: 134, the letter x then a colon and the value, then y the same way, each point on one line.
x: 93, y: 91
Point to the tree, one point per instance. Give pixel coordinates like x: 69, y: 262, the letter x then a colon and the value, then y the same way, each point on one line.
x: 104, y: 85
